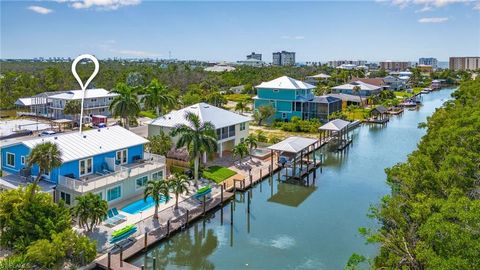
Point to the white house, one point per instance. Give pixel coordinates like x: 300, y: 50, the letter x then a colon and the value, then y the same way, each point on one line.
x: 365, y: 89
x: 232, y: 128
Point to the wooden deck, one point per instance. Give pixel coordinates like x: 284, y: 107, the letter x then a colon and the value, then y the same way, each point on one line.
x: 377, y: 121
x: 117, y: 261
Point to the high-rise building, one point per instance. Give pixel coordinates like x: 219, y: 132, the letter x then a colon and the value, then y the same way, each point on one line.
x: 464, y: 63
x: 395, y: 65
x: 428, y: 61
x: 337, y: 63
x: 283, y: 58
x: 256, y: 56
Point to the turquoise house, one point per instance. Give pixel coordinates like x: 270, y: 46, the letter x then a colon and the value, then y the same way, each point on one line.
x: 109, y: 162
x: 291, y: 97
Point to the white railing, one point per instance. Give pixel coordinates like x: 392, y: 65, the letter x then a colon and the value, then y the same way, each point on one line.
x: 151, y: 163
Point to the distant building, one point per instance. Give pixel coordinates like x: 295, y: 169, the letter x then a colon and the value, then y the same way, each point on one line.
x: 373, y: 81
x: 337, y: 63
x: 220, y: 68
x: 52, y: 104
x: 292, y: 97
x: 283, y: 58
x: 425, y: 70
x: 428, y: 61
x: 251, y: 62
x: 394, y: 83
x: 395, y: 65
x: 464, y: 63
x: 256, y: 56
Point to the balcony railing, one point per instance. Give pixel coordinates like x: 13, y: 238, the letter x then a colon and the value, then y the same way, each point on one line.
x: 92, y: 182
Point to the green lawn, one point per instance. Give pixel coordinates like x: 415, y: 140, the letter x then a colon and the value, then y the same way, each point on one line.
x: 239, y: 97
x: 218, y: 173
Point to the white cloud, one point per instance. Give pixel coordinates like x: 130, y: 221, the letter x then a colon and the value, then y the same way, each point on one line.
x: 433, y: 20
x: 293, y: 37
x: 40, y: 10
x: 101, y: 4
x: 429, y: 4
x: 477, y: 5
x: 424, y: 9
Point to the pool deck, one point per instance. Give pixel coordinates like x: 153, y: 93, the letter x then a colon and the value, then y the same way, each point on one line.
x: 161, y: 231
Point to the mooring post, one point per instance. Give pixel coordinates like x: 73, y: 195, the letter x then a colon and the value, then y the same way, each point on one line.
x: 221, y: 216
x: 248, y: 201
x: 168, y: 227
x: 121, y: 256
x: 204, y: 204
x: 221, y: 195
x: 243, y: 184
x: 231, y: 214
x: 142, y: 267
x: 145, y: 240
x: 261, y: 175
x: 109, y: 258
x: 251, y: 180
x: 154, y: 263
x: 188, y: 216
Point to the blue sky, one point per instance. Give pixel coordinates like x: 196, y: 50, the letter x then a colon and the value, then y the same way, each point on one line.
x: 316, y: 31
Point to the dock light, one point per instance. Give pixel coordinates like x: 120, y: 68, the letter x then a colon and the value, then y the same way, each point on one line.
x: 79, y: 80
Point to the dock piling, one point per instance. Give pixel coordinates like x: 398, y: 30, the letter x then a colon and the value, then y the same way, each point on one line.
x: 154, y: 262
x: 121, y: 256
x: 168, y: 227
x: 231, y: 214
x: 221, y: 195
x: 188, y: 216
x: 145, y: 240
x: 204, y: 205
x: 109, y: 258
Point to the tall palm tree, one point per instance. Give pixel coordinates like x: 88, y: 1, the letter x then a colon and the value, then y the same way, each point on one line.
x: 156, y: 188
x: 356, y: 89
x: 73, y: 107
x: 178, y: 185
x: 125, y: 105
x: 157, y: 97
x: 198, y: 137
x: 240, y: 150
x: 90, y: 210
x: 251, y: 141
x: 47, y: 157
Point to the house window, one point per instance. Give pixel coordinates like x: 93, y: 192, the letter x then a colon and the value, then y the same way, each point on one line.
x: 275, y: 90
x: 86, y: 166
x: 65, y: 197
x: 122, y: 156
x: 22, y: 160
x: 231, y: 131
x: 10, y: 159
x: 242, y: 126
x: 157, y: 175
x: 114, y: 193
x: 141, y: 182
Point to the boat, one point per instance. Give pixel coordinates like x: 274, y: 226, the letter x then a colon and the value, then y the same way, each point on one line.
x: 408, y: 103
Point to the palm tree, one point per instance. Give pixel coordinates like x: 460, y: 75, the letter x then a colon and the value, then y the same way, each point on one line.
x: 90, y: 210
x: 356, y: 89
x: 157, y: 97
x: 178, y: 185
x: 198, y: 137
x: 156, y: 189
x: 46, y: 156
x: 240, y: 150
x: 251, y: 141
x: 72, y: 107
x: 241, y: 107
x: 125, y: 105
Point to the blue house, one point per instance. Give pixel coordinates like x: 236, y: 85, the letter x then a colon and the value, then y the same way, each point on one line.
x: 292, y: 97
x: 109, y: 162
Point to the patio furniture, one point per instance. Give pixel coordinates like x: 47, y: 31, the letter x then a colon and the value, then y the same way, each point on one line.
x: 115, y: 212
x: 123, y: 233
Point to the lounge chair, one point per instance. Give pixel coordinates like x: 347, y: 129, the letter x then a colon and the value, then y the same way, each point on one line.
x: 116, y: 214
x: 112, y: 217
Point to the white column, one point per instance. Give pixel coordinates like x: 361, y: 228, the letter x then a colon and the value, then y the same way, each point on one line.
x: 204, y: 157
x: 220, y: 154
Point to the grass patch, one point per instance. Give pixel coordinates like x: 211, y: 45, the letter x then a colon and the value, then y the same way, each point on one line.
x: 218, y: 173
x: 149, y: 114
x: 239, y: 97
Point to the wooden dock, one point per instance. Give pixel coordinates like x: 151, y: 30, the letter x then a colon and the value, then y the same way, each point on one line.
x: 377, y: 121
x: 117, y: 261
x: 344, y: 144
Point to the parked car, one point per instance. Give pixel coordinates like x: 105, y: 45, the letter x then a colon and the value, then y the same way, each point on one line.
x: 47, y: 133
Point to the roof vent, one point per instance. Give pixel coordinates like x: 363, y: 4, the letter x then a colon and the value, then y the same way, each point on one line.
x: 55, y: 137
x: 84, y: 136
x: 99, y: 130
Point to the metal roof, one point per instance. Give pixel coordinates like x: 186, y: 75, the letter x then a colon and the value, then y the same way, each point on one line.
x: 346, y: 97
x: 208, y: 113
x: 362, y: 85
x: 89, y: 93
x: 325, y: 99
x: 285, y: 82
x: 293, y: 144
x: 320, y: 76
x: 335, y: 125
x: 76, y: 146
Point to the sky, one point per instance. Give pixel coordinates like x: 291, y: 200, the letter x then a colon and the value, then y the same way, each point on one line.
x: 215, y: 31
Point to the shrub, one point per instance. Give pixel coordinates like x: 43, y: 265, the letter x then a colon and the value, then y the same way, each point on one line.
x: 298, y: 125
x: 176, y: 169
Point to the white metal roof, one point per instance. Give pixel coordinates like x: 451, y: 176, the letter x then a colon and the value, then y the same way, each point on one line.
x: 76, y: 146
x: 207, y: 113
x: 362, y: 85
x: 335, y: 125
x: 285, y: 82
x: 293, y: 144
x: 320, y: 76
x: 89, y: 93
x: 24, y: 102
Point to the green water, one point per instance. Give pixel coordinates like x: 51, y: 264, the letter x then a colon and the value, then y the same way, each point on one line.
x: 296, y: 227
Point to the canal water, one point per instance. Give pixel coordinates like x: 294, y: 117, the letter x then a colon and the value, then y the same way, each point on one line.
x: 297, y: 227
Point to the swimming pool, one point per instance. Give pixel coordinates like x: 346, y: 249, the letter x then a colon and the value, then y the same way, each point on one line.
x: 141, y: 205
